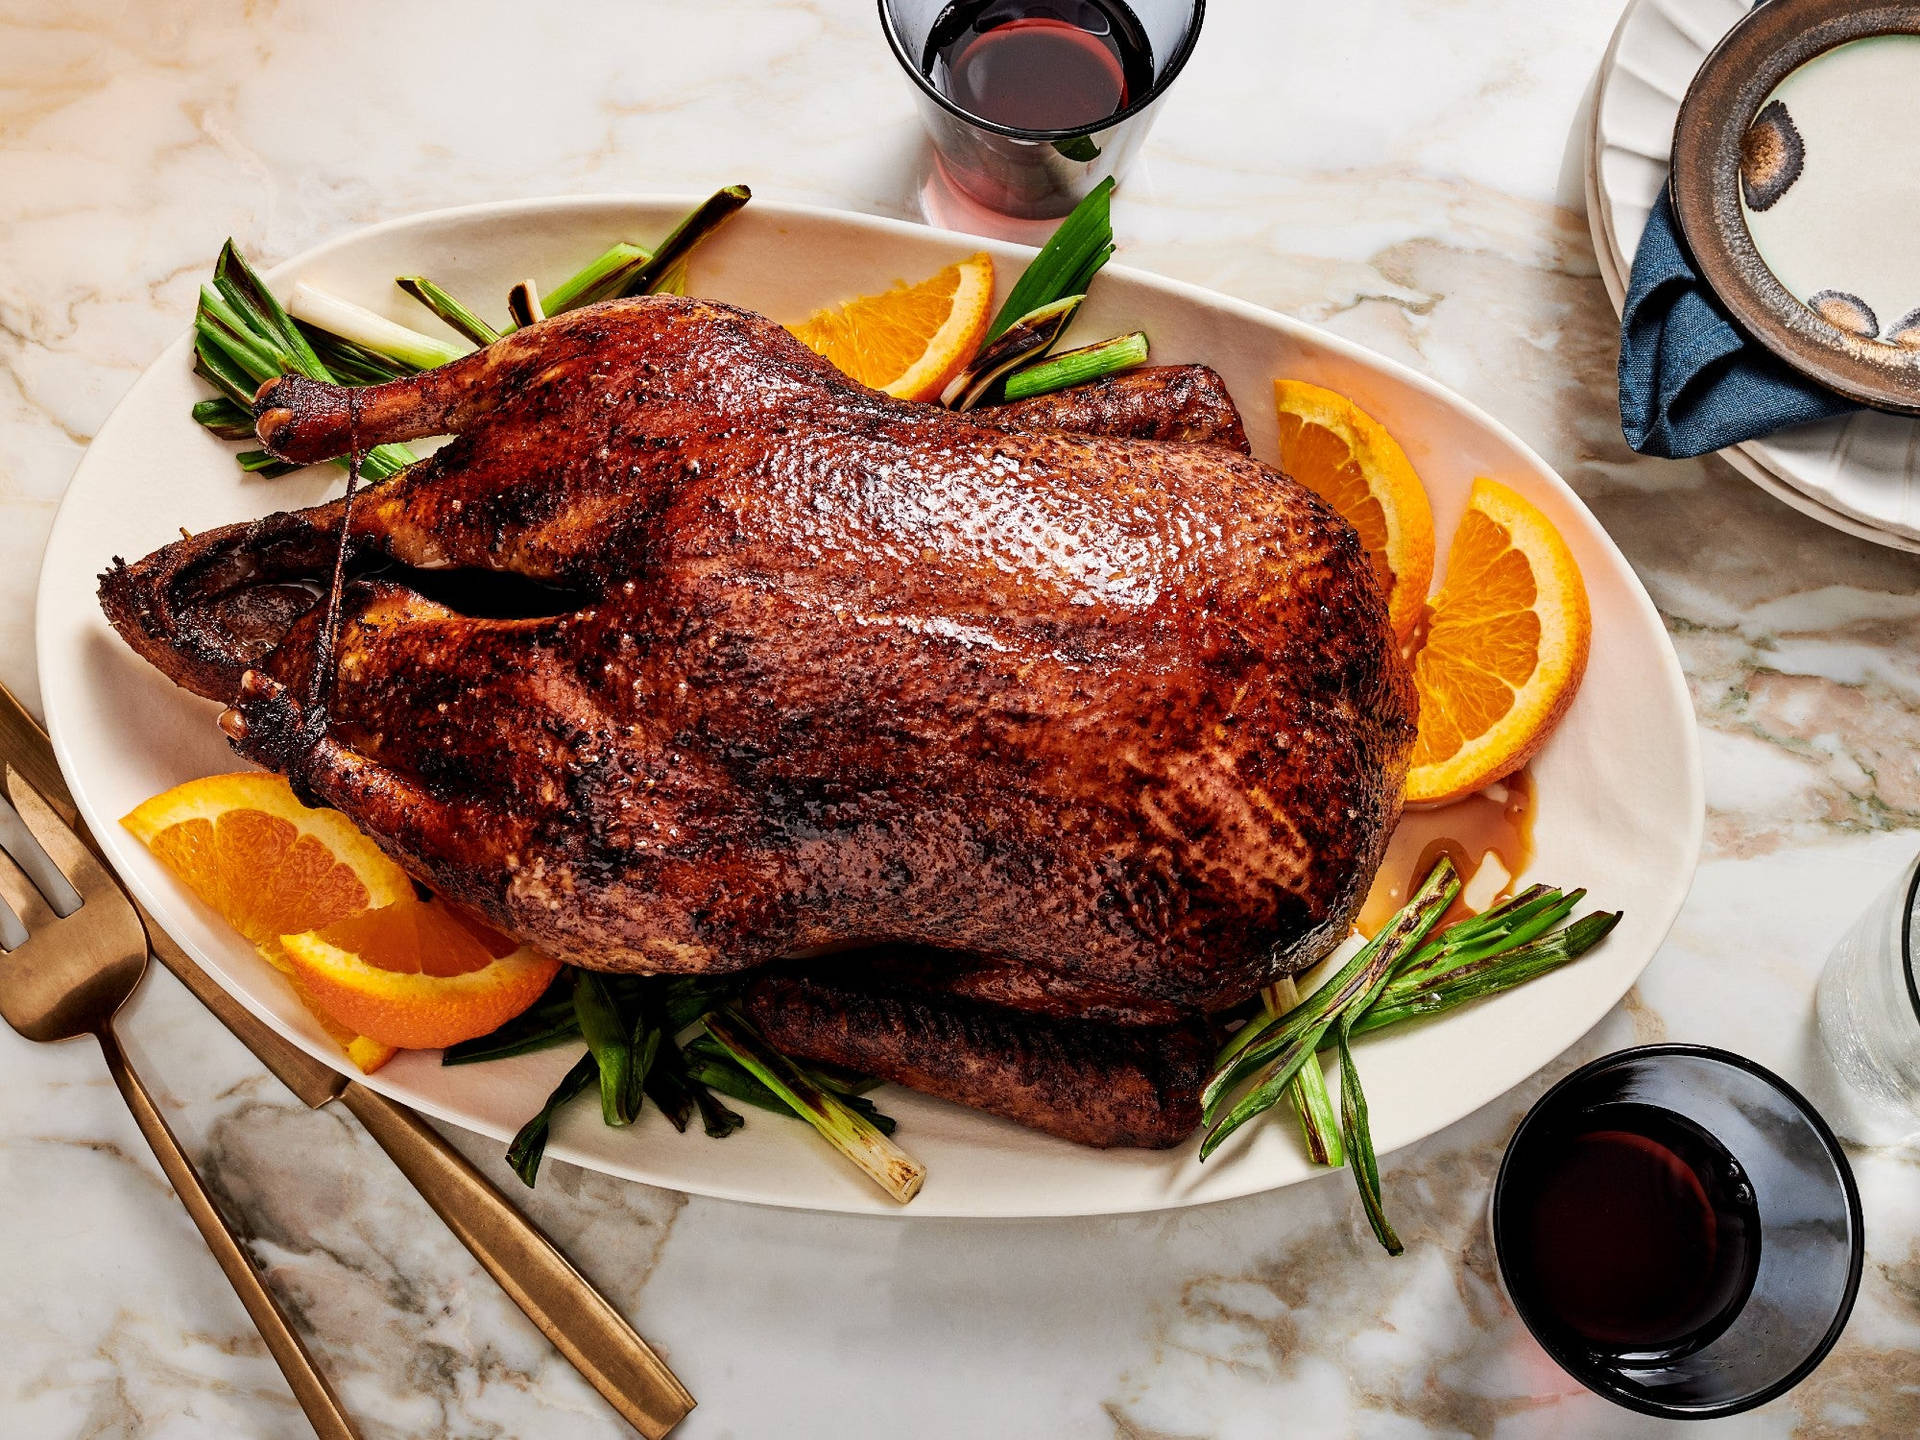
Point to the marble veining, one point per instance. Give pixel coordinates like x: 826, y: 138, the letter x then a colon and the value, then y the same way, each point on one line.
x: 1406, y: 174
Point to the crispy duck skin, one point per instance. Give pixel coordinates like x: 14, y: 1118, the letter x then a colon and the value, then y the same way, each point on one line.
x: 208, y: 609
x: 1160, y: 402
x: 1094, y: 1084
x: 1120, y: 720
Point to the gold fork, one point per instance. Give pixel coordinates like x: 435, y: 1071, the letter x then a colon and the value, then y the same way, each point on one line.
x: 68, y: 978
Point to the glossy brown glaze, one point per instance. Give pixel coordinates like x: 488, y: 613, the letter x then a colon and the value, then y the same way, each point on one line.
x: 1160, y: 402
x: 1103, y: 1085
x: 1121, y: 720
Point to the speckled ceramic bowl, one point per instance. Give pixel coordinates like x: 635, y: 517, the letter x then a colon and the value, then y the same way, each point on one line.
x: 1796, y: 183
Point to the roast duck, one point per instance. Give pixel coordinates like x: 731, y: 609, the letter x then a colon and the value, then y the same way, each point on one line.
x: 1004, y: 747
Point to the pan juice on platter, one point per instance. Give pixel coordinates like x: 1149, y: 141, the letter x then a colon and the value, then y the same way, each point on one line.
x: 1490, y: 830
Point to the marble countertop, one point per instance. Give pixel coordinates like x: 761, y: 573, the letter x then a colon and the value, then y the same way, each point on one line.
x: 1405, y: 172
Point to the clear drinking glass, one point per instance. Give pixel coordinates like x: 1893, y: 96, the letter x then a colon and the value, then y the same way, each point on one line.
x: 1869, y: 1011
x: 1036, y: 173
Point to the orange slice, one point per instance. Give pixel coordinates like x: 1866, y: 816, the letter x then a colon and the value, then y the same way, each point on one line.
x: 268, y: 865
x: 913, y: 339
x: 418, y: 975
x: 1345, y: 456
x: 265, y: 862
x: 1505, y: 649
x: 366, y: 1053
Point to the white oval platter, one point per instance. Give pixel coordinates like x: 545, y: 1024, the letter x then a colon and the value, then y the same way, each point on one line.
x: 1620, y: 807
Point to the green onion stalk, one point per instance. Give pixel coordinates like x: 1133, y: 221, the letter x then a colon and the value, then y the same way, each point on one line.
x: 530, y: 1144
x: 609, y: 1037
x: 1488, y: 976
x: 1076, y: 367
x: 630, y: 1024
x: 244, y: 337
x: 1067, y: 263
x: 712, y: 1065
x: 1274, y: 1048
x: 1025, y: 340
x: 839, y: 1124
x: 523, y: 304
x: 451, y: 312
x: 1041, y: 305
x: 620, y: 270
x: 370, y: 330
x: 1319, y: 1125
x: 1357, y: 1133
x: 1399, y: 976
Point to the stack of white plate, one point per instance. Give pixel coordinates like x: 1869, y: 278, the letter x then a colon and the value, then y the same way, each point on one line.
x: 1860, y: 474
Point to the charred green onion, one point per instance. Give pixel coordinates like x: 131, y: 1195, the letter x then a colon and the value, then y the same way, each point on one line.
x: 1488, y: 975
x: 839, y: 1124
x: 610, y: 1042
x: 632, y: 270
x: 1399, y: 975
x: 1319, y: 1126
x: 244, y: 337
x: 600, y: 280
x: 1357, y: 1133
x: 1280, y: 1045
x: 449, y: 310
x: 530, y: 1144
x: 1026, y: 339
x: 370, y: 330
x: 264, y: 463
x: 1066, y: 264
x: 523, y: 303
x: 1077, y: 367
x: 549, y: 1021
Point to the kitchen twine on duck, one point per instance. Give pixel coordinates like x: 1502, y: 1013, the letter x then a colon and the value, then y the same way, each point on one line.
x: 323, y: 674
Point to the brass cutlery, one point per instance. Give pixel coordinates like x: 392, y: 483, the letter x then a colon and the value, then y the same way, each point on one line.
x: 67, y: 979
x: 542, y: 1282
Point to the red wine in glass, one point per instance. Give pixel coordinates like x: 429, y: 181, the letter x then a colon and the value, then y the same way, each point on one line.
x: 1636, y: 1233
x: 1039, y: 64
x: 1679, y: 1230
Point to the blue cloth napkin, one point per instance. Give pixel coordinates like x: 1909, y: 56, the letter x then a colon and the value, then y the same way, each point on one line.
x: 1690, y: 380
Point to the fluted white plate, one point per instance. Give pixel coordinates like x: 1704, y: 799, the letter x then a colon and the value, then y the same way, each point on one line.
x: 1860, y: 473
x: 1620, y: 807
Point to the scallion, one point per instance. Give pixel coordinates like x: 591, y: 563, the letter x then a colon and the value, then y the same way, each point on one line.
x: 1026, y: 339
x: 1285, y: 1044
x: 708, y: 216
x: 1357, y: 1132
x: 1398, y: 976
x: 530, y: 1144
x: 1319, y: 1126
x: 369, y: 330
x: 449, y: 310
x: 1489, y: 975
x: 244, y: 337
x: 1077, y: 367
x: 600, y: 280
x: 222, y: 417
x: 839, y: 1123
x: 1067, y: 263
x: 610, y: 1041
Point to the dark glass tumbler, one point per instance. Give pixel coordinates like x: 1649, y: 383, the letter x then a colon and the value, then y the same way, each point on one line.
x: 1030, y: 173
x: 1801, y: 1233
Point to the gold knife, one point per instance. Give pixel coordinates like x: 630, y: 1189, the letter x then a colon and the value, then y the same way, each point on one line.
x: 530, y: 1268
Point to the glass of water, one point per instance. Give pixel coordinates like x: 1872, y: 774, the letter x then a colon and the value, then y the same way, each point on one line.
x: 1869, y: 1009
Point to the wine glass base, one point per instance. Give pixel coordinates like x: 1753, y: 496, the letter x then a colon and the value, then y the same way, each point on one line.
x: 944, y: 205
